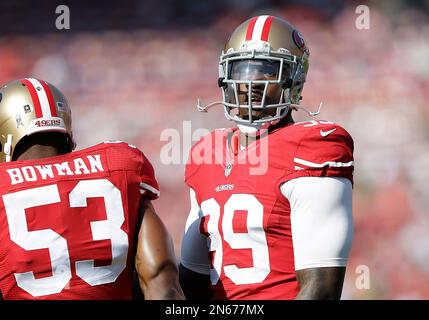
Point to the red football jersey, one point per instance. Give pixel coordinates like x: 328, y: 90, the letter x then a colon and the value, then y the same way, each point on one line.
x: 69, y: 223
x: 245, y: 216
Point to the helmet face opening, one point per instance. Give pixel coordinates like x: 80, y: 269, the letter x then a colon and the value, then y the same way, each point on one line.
x: 252, y: 69
x: 256, y: 87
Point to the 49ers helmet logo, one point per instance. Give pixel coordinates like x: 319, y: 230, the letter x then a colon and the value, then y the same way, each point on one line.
x: 298, y: 40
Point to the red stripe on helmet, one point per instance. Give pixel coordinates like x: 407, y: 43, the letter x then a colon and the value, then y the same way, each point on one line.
x: 34, y: 97
x: 250, y: 28
x: 50, y: 98
x: 266, y: 29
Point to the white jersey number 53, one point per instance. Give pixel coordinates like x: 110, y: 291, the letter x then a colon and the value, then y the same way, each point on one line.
x: 15, y: 205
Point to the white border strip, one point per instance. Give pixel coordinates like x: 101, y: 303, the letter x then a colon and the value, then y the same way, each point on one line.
x: 150, y: 188
x: 321, y: 165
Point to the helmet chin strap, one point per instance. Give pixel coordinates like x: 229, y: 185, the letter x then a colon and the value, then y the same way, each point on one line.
x: 255, y: 129
x: 204, y: 108
x: 310, y: 113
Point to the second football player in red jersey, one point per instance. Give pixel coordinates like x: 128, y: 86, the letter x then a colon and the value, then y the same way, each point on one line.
x: 74, y: 225
x: 271, y: 200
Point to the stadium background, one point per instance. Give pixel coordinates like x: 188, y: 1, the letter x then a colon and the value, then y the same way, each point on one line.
x: 131, y: 69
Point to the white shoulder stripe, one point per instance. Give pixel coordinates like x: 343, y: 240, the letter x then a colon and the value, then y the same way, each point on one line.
x: 149, y: 188
x: 43, y: 97
x: 321, y: 165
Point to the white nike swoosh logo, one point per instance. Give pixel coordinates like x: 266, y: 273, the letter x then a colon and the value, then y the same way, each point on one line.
x: 325, y: 133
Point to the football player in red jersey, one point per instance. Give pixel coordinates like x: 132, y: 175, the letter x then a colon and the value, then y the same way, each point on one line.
x: 271, y: 199
x: 74, y: 225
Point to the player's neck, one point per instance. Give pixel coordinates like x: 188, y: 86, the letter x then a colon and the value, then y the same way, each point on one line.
x: 246, y: 140
x: 38, y: 151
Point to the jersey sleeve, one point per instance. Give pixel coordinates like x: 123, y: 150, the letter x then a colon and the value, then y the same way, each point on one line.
x: 194, y: 252
x: 190, y: 170
x: 148, y: 185
x: 323, y: 151
x: 321, y: 219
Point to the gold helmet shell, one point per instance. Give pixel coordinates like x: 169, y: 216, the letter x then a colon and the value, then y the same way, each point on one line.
x: 266, y: 31
x: 28, y: 106
x: 265, y: 38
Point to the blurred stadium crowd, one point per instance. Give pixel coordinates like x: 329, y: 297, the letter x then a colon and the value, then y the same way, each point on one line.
x: 141, y: 71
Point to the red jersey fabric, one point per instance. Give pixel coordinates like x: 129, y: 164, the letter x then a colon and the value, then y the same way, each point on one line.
x: 69, y: 223
x: 246, y: 218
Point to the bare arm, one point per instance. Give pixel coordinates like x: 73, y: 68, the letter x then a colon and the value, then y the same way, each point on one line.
x: 320, y: 283
x: 155, y: 260
x: 322, y: 232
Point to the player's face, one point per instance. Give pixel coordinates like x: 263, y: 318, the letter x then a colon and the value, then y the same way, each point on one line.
x: 257, y: 70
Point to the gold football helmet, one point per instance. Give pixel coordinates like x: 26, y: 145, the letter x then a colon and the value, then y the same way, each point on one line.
x: 262, y: 70
x: 28, y: 106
